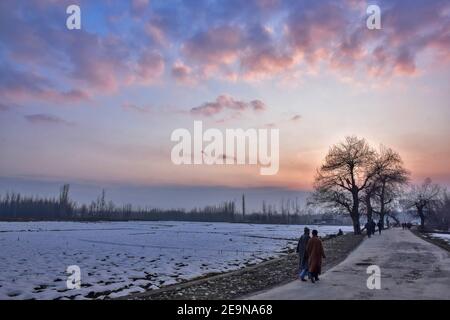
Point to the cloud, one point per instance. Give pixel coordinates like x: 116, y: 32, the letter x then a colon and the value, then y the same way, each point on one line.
x: 156, y: 32
x: 16, y: 85
x: 134, y: 108
x: 150, y: 66
x: 297, y: 117
x: 182, y: 73
x: 69, y: 66
x: 404, y: 63
x: 214, y: 47
x: 43, y: 118
x: 263, y: 63
x: 294, y: 37
x: 233, y: 40
x: 227, y: 103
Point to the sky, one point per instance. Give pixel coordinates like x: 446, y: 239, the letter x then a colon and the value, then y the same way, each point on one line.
x: 98, y: 105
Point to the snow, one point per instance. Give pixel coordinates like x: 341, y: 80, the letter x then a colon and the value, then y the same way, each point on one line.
x: 443, y: 236
x: 119, y: 258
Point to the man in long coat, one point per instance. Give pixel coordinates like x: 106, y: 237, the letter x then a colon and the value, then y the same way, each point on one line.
x: 315, y: 252
x: 303, y: 257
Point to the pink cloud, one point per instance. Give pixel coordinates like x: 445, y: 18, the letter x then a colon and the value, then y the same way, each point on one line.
x: 215, y: 47
x: 86, y: 64
x: 20, y: 85
x: 156, y: 33
x: 258, y: 40
x: 266, y: 62
x: 224, y: 103
x: 182, y: 73
x: 326, y: 32
x: 150, y: 67
x: 405, y: 64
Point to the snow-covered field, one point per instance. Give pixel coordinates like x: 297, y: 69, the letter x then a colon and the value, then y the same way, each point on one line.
x: 443, y: 236
x: 119, y: 258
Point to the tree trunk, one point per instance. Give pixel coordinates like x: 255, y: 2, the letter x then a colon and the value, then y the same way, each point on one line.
x: 422, y: 218
x: 369, y: 208
x: 382, y: 206
x: 355, y: 214
x: 356, y: 227
x: 382, y: 215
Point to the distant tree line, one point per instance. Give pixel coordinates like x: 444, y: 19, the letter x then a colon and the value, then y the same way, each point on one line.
x: 15, y: 207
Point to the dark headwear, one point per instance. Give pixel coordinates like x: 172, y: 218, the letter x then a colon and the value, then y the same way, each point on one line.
x: 314, y: 232
x: 306, y: 229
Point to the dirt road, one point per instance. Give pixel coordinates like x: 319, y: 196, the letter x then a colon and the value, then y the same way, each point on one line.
x: 411, y: 268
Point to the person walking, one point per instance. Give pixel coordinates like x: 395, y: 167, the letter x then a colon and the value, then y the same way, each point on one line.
x: 368, y: 227
x: 373, y: 226
x: 315, y: 252
x: 380, y: 226
x: 303, y: 257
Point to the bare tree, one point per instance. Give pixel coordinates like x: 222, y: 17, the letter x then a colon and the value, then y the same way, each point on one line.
x: 421, y: 197
x: 345, y: 174
x: 439, y: 216
x: 390, y: 176
x: 368, y: 195
x: 64, y: 202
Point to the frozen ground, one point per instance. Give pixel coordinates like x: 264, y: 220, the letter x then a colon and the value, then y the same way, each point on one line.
x: 443, y: 236
x: 118, y: 258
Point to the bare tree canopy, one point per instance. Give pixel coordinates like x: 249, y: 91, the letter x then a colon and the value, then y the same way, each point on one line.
x: 439, y: 216
x: 390, y: 176
x: 421, y: 197
x: 347, y: 170
x: 355, y: 175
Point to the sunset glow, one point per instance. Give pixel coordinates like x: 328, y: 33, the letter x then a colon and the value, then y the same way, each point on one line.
x: 99, y: 104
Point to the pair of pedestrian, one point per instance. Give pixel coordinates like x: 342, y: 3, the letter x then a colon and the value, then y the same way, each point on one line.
x: 406, y: 226
x: 310, y: 251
